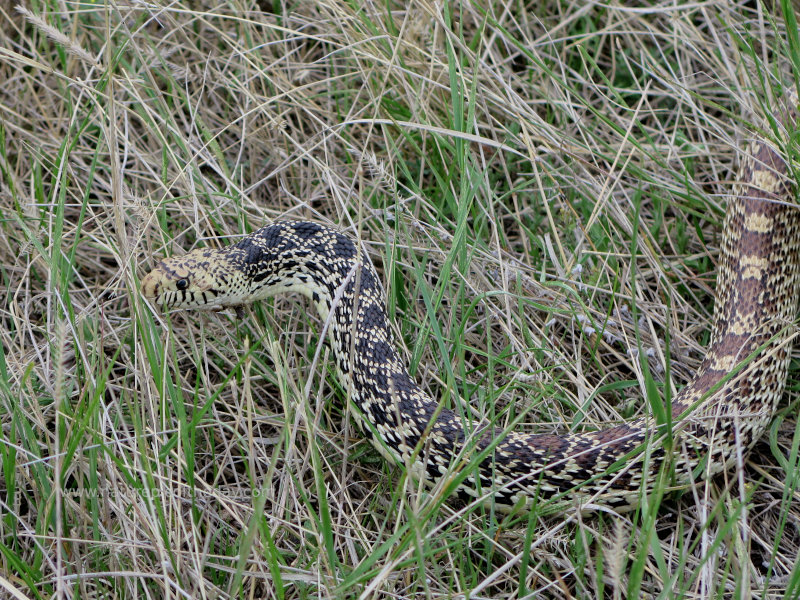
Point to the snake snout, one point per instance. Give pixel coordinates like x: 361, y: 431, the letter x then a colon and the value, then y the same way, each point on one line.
x: 186, y: 282
x: 151, y: 284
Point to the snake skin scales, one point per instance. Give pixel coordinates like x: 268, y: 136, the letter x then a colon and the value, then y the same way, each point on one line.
x: 719, y: 414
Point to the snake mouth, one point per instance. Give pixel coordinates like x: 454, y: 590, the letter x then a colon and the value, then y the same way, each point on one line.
x: 196, y: 300
x: 168, y: 288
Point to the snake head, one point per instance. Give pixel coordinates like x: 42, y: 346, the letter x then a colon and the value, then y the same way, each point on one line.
x: 288, y: 256
x: 194, y: 280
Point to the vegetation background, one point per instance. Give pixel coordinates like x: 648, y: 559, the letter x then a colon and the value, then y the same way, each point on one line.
x: 541, y: 186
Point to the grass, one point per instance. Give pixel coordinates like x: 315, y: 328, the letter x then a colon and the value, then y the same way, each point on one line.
x: 541, y: 189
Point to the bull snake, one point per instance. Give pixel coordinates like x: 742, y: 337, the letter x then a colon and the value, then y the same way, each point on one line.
x: 723, y: 410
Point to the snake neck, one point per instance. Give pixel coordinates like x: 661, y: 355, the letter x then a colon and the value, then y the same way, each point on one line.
x: 325, y: 266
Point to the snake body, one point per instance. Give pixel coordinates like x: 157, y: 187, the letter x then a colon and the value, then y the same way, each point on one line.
x: 717, y: 416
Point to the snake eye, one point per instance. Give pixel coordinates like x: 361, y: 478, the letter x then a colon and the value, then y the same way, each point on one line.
x: 182, y: 284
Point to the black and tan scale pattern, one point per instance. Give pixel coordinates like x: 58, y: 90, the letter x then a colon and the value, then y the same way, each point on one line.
x: 728, y: 404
